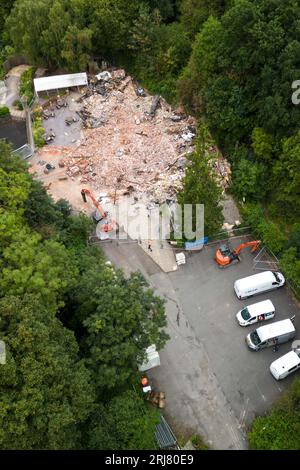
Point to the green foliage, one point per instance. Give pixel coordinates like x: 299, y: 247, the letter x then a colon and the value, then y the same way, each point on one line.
x: 26, y: 85
x: 5, y: 8
x: 280, y: 428
x: 121, y: 318
x: 45, y: 269
x: 294, y: 238
x: 269, y: 232
x: 263, y: 144
x: 195, y: 12
x: 239, y: 75
x: 287, y: 178
x: 46, y: 390
x: 125, y: 423
x: 290, y: 264
x: 17, y: 104
x: 200, y: 185
x: 38, y: 129
x: 75, y: 47
x: 198, y: 442
x: 245, y: 180
x: 4, y: 111
x: 54, y: 385
x: 40, y: 211
x: 76, y: 230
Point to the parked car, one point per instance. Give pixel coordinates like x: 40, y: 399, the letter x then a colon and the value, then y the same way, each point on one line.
x: 258, y: 283
x: 271, y: 335
x: 286, y: 365
x: 261, y: 311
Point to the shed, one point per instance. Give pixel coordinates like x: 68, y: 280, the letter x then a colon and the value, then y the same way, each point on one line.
x: 57, y: 82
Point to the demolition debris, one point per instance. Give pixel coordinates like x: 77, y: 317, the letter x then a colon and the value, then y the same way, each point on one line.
x: 132, y: 142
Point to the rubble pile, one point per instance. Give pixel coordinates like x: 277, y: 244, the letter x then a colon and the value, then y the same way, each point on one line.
x: 133, y: 142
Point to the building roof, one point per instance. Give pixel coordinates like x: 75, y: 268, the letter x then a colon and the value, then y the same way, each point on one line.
x: 60, y: 81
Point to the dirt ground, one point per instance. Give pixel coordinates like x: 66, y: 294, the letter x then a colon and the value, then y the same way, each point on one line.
x: 59, y: 189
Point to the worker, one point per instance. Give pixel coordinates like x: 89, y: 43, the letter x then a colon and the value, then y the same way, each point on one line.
x: 144, y: 381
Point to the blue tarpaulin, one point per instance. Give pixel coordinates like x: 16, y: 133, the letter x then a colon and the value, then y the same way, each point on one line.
x: 196, y: 244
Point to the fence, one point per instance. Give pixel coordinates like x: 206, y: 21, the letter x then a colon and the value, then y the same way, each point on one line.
x: 266, y: 260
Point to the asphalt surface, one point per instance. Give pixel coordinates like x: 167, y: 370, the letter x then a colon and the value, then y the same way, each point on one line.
x: 214, y: 384
x: 65, y: 135
x: 14, y: 132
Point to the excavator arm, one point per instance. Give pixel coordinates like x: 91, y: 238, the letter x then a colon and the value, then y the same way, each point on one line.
x: 87, y: 192
x: 255, y: 244
x: 107, y: 223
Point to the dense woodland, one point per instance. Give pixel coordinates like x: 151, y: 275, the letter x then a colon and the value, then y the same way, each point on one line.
x: 74, y: 328
x: 231, y: 63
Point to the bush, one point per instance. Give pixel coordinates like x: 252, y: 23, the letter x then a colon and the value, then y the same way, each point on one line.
x: 290, y: 265
x: 280, y: 428
x: 270, y: 234
x: 26, y: 84
x: 38, y: 130
x: 4, y: 111
x: 198, y: 442
x: 17, y: 104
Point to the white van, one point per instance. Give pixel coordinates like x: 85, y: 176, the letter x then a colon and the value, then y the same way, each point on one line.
x: 271, y: 335
x: 258, y: 283
x: 286, y: 365
x: 254, y: 313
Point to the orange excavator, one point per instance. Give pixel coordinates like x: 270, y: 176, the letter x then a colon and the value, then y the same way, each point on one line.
x: 107, y: 223
x: 225, y: 256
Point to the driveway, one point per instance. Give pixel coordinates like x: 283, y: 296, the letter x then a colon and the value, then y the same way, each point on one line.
x: 214, y: 384
x: 12, y: 81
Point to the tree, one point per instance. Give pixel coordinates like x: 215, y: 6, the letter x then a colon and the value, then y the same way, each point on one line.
x: 111, y: 23
x: 46, y: 391
x: 263, y: 144
x: 10, y: 162
x: 40, y: 209
x: 45, y: 269
x: 290, y: 264
x: 52, y: 37
x: 195, y: 12
x: 118, y: 318
x: 26, y: 24
x: 200, y: 185
x: 124, y: 423
x: 75, y: 231
x: 287, y: 178
x: 280, y: 428
x: 76, y: 45
x: 245, y: 180
x: 5, y: 7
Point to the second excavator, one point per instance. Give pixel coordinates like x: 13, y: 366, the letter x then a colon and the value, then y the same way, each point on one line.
x: 225, y: 256
x: 102, y: 218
